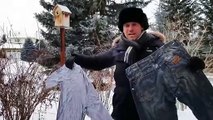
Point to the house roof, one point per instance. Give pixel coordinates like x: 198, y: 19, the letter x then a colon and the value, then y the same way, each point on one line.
x: 11, y: 46
x: 15, y: 43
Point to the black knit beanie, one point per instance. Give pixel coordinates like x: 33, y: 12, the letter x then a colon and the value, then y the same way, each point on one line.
x: 132, y: 14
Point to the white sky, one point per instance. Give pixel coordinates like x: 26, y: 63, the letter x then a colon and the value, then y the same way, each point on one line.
x: 18, y: 15
x: 151, y: 9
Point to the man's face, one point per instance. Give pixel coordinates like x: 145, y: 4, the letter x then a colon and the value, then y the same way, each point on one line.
x: 132, y: 30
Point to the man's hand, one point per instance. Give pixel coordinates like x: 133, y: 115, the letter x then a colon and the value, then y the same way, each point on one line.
x: 70, y: 62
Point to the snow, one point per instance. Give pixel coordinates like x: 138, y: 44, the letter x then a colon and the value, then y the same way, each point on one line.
x: 50, y: 114
x: 184, y: 113
x: 11, y: 46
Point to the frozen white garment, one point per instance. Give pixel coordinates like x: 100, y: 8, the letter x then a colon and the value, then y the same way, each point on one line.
x: 78, y: 96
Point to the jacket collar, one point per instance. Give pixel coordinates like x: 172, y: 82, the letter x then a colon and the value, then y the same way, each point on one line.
x: 143, y: 41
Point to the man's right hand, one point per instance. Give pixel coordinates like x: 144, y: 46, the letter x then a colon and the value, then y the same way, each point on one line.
x: 70, y: 62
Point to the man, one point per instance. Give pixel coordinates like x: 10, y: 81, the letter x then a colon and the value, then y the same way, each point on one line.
x: 135, y: 44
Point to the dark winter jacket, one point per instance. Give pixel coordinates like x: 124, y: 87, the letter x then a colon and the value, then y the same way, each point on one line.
x: 119, y: 56
x: 123, y: 55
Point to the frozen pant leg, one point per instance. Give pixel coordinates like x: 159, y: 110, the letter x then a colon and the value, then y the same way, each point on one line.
x: 161, y: 77
x: 195, y: 91
x: 193, y: 88
x: 94, y: 106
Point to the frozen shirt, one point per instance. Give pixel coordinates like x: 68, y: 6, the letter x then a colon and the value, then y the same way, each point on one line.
x: 78, y: 96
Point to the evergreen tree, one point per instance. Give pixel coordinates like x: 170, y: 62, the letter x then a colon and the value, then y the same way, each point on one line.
x: 189, y: 21
x: 41, y: 45
x: 206, y: 9
x: 28, y: 51
x: 3, y: 39
x: 93, y: 23
x: 178, y: 16
x: 206, y: 24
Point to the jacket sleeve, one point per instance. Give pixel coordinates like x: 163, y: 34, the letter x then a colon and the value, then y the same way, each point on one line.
x: 96, y: 62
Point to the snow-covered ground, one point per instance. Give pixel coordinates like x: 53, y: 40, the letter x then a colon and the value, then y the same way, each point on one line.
x: 184, y: 113
x: 50, y: 114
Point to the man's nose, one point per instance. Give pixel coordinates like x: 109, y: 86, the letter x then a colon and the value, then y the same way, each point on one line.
x: 130, y: 28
